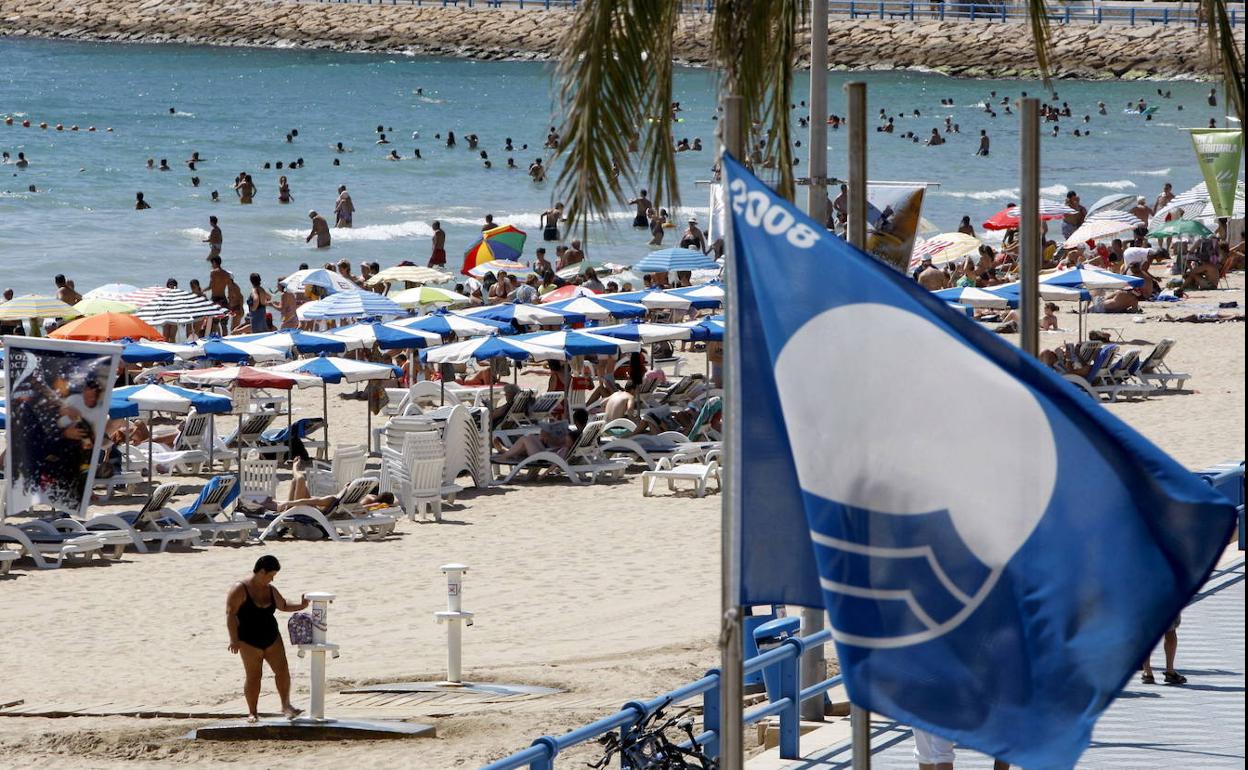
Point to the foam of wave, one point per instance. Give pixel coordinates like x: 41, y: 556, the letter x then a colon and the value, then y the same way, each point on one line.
x: 409, y: 229
x: 982, y: 195
x: 1117, y: 184
x: 1054, y: 191
x: 196, y: 233
x: 1154, y: 172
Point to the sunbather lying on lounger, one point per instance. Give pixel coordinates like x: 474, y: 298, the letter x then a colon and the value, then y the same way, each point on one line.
x: 557, y: 436
x: 299, y: 495
x: 1121, y: 301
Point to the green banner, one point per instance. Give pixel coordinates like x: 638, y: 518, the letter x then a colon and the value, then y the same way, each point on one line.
x: 1219, y: 150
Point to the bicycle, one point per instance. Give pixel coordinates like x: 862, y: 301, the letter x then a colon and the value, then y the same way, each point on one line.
x: 647, y: 746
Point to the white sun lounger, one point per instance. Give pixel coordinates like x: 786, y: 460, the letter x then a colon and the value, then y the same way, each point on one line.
x: 700, y: 473
x: 151, y: 524
x: 208, y: 513
x: 47, y: 547
x: 346, y: 517
x: 584, y: 459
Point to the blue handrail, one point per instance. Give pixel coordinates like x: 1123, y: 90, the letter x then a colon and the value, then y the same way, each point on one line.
x: 786, y: 703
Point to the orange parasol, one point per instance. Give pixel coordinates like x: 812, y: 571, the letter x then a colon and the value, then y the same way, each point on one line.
x: 107, y: 327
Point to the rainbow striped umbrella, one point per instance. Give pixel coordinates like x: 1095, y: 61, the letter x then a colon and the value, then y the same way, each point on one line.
x: 505, y: 242
x: 35, y: 306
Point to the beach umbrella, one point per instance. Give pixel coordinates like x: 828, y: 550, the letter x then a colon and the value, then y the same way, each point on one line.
x: 1196, y: 204
x: 116, y: 409
x: 511, y: 267
x: 297, y: 341
x: 653, y: 299
x: 1177, y: 228
x: 235, y: 352
x: 709, y: 328
x: 330, y: 281
x: 386, y: 336
x: 1103, y: 225
x: 111, y: 291
x: 1088, y: 278
x: 334, y: 370
x: 578, y: 268
x: 599, y: 308
x: 408, y: 274
x: 423, y: 296
x: 523, y: 314
x: 249, y: 377
x: 1007, y: 218
x: 174, y: 306
x: 351, y: 304
x: 183, y: 351
x: 96, y: 305
x: 647, y: 333
x: 445, y: 323
x: 170, y: 398
x: 486, y: 348
x: 35, y: 306
x: 973, y: 297
x: 504, y: 242
x: 945, y: 248
x: 107, y: 327
x: 1113, y: 202
x: 702, y: 296
x: 623, y: 277
x: 567, y: 291
x: 140, y: 297
x: 581, y: 343
x: 140, y: 353
x: 1012, y: 291
x: 675, y: 259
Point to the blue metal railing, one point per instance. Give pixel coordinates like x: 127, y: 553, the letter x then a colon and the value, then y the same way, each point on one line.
x: 913, y: 10
x: 786, y: 703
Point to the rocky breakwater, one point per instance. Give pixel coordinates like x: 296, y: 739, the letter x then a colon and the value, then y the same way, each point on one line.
x: 956, y: 48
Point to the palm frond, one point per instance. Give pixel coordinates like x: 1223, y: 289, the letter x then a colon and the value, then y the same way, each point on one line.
x: 1041, y: 37
x: 615, y: 81
x: 755, y: 47
x: 1224, y: 51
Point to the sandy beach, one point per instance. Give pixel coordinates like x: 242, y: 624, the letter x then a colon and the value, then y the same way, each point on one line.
x: 592, y: 590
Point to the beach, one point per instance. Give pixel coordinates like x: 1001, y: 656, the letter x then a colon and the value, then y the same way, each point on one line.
x: 593, y: 590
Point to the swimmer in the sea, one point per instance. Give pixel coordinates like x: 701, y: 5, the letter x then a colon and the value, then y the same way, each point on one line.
x: 381, y: 139
x: 139, y: 203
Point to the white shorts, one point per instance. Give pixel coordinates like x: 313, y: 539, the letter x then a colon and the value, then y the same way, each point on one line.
x: 931, y: 749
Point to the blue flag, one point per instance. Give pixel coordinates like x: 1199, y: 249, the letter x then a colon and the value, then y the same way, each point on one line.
x: 996, y: 551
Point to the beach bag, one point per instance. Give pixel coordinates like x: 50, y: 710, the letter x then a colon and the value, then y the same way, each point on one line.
x: 299, y: 627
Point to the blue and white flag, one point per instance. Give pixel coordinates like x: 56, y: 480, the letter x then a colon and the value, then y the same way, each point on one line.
x: 996, y: 551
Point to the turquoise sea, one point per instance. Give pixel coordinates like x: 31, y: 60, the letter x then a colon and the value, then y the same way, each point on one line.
x: 235, y: 106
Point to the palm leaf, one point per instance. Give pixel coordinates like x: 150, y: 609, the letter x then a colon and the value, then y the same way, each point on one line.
x: 615, y: 81
x: 1041, y: 37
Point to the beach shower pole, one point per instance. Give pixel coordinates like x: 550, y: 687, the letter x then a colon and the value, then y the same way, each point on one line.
x: 814, y: 666
x: 731, y: 649
x: 1029, y: 228
x: 856, y: 229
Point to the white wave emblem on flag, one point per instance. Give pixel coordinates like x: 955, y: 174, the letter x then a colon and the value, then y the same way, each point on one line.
x: 927, y: 528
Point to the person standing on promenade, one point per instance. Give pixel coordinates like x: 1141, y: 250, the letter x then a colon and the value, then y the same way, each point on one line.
x: 214, y: 238
x: 437, y: 257
x: 935, y: 753
x: 344, y: 208
x: 1170, y: 644
x: 250, y: 607
x: 320, y: 230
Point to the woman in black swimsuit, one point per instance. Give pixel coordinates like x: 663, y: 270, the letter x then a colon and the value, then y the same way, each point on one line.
x: 249, y: 617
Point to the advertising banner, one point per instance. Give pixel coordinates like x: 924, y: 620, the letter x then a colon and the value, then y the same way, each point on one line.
x: 57, y: 406
x: 1219, y: 151
x: 893, y: 216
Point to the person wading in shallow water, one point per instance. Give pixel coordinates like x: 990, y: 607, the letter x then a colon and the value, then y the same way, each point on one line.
x: 249, y: 616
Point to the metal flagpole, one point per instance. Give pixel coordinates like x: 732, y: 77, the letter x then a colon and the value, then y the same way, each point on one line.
x: 731, y: 651
x: 814, y: 665
x: 1029, y: 229
x: 856, y: 209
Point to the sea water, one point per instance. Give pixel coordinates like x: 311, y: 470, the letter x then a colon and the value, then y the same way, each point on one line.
x: 236, y: 106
